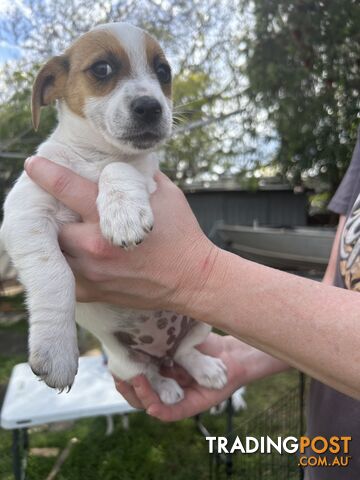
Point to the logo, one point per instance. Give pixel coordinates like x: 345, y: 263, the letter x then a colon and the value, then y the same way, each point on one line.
x: 312, y: 452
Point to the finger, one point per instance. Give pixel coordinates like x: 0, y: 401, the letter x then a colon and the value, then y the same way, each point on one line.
x: 74, y: 191
x: 196, y: 399
x: 72, y: 237
x: 79, y: 239
x: 160, y: 177
x: 164, y: 183
x: 69, y: 239
x: 144, y: 391
x: 167, y: 413
x: 128, y: 392
x: 81, y: 293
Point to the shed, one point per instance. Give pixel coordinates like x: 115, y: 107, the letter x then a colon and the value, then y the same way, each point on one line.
x: 278, y: 206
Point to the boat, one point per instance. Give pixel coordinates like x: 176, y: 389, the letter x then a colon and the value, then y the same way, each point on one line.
x: 298, y: 248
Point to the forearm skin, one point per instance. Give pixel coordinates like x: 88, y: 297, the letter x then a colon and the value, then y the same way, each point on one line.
x: 311, y: 326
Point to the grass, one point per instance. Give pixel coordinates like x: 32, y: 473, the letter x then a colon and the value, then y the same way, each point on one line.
x: 12, y: 303
x: 148, y: 450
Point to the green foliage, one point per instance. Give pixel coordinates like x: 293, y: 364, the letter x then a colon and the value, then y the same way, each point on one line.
x: 303, y: 66
x: 290, y: 68
x: 17, y: 136
x: 192, y: 153
x: 14, y: 302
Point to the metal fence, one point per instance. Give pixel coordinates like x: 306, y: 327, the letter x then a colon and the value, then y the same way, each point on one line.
x: 284, y: 418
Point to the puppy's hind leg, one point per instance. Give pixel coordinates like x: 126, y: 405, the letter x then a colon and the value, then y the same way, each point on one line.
x: 208, y: 371
x: 123, y: 366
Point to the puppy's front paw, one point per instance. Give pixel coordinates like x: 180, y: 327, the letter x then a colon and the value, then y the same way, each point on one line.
x: 54, y: 358
x: 125, y: 223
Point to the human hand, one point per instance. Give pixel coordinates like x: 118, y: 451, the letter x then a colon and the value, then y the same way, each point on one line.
x: 166, y: 271
x: 244, y: 365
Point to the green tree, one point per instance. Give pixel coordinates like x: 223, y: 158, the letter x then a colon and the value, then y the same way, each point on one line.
x: 196, y: 151
x: 199, y: 40
x: 303, y: 65
x: 17, y: 136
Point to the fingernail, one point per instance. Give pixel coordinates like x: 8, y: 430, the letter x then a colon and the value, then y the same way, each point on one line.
x: 27, y: 162
x: 151, y: 411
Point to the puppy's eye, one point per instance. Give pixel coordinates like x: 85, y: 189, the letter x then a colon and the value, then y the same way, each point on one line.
x: 101, y: 70
x: 163, y: 73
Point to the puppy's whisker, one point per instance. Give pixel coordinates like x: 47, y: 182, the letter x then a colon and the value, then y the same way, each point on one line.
x: 187, y: 103
x: 179, y: 120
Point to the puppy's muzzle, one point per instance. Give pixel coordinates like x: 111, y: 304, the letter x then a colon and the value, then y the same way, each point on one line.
x: 146, y: 110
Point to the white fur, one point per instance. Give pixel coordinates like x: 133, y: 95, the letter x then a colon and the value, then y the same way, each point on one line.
x: 91, y: 147
x: 238, y: 402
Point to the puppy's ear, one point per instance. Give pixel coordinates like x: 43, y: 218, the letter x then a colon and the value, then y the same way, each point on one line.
x: 49, y: 85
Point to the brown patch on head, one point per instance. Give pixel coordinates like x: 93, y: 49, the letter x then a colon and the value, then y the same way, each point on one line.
x: 93, y: 47
x: 69, y: 76
x: 155, y: 56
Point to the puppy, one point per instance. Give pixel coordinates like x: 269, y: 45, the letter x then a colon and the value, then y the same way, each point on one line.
x: 113, y: 94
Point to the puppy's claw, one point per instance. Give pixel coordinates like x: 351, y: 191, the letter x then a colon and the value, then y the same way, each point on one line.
x: 148, y: 229
x: 57, y: 371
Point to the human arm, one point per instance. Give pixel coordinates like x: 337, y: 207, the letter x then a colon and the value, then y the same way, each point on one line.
x: 311, y: 326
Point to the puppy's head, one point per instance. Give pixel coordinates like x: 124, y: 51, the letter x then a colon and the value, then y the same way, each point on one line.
x: 117, y: 78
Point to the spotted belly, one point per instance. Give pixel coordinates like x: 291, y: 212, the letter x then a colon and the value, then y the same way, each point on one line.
x: 155, y: 334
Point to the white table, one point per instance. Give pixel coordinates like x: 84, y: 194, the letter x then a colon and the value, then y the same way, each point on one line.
x: 29, y: 402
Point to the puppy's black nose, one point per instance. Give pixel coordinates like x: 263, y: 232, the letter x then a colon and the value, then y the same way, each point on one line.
x: 146, y: 109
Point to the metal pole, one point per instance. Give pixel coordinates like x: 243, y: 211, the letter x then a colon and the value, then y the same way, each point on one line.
x: 19, y: 450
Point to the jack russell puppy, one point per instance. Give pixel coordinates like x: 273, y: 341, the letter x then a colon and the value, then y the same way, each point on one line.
x: 113, y: 94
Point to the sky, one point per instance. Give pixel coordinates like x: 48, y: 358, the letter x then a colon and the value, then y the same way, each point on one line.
x: 8, y: 49
x: 8, y: 52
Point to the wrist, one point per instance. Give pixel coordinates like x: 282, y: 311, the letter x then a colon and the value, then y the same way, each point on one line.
x: 258, y: 364
x: 203, y: 286
x: 265, y: 365
x: 194, y: 269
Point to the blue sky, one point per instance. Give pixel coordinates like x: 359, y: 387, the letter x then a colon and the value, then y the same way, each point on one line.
x: 8, y: 52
